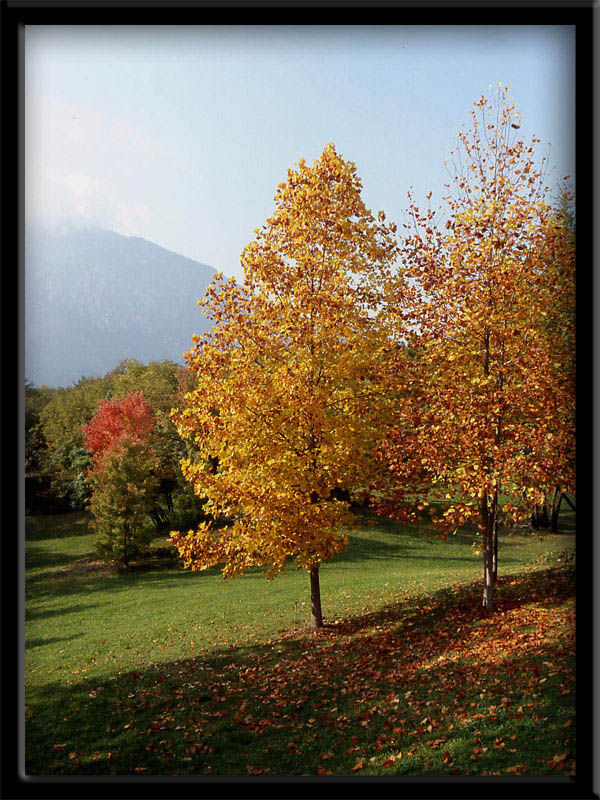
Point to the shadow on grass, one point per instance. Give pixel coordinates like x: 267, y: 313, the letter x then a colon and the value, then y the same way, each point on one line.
x: 369, y: 683
x: 57, y: 526
x: 102, y: 578
x: 31, y: 643
x: 35, y: 614
x: 361, y: 548
x: 38, y: 558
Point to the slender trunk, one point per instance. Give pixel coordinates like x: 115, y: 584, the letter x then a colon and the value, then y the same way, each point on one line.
x: 487, y: 522
x: 488, y: 514
x: 539, y: 517
x: 495, y: 550
x: 568, y: 501
x: 544, y: 521
x: 316, y: 616
x: 125, y: 547
x: 555, y: 509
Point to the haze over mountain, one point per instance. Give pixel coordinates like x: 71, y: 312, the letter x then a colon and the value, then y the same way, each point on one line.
x: 94, y: 297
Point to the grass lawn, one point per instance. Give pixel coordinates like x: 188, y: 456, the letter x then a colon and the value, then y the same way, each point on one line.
x: 165, y: 671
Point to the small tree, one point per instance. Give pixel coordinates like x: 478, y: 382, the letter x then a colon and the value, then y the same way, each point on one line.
x: 124, y: 486
x: 124, y: 475
x: 287, y: 406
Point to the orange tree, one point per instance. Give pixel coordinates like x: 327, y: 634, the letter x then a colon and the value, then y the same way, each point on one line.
x: 128, y: 417
x: 287, y: 407
x: 486, y: 379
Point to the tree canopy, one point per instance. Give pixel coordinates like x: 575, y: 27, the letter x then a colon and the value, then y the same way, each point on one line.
x: 487, y: 398
x: 288, y: 401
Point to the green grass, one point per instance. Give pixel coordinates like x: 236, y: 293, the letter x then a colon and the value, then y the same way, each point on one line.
x: 165, y: 671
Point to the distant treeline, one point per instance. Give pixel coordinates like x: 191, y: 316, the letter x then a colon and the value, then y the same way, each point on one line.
x: 57, y: 460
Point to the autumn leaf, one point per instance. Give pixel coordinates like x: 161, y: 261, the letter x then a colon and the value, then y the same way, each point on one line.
x: 559, y: 759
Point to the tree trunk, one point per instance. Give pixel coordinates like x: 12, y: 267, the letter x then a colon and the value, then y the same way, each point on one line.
x: 487, y: 522
x: 555, y: 509
x: 125, y: 547
x: 316, y: 616
x: 495, y: 551
x: 539, y: 518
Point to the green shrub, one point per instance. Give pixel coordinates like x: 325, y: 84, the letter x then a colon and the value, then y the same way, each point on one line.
x: 124, y: 489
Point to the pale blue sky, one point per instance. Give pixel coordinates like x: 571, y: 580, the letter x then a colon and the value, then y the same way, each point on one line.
x: 181, y: 134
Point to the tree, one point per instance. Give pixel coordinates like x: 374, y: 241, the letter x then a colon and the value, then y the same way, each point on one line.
x: 63, y: 456
x: 36, y: 399
x: 66, y: 459
x: 38, y: 495
x: 485, y: 396
x: 124, y: 475
x: 127, y: 418
x: 287, y: 406
x: 124, y: 487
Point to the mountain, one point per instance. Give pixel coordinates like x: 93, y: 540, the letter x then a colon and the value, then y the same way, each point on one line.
x: 94, y: 297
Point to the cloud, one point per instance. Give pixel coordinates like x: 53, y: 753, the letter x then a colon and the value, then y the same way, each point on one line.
x: 86, y: 167
x: 76, y: 198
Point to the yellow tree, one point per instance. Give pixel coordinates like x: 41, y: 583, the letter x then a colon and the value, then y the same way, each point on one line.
x: 287, y: 407
x: 486, y: 392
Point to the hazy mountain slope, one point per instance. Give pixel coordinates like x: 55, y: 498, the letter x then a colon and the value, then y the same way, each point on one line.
x: 94, y: 297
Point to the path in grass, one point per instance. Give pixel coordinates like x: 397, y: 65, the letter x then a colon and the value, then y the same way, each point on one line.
x: 143, y: 683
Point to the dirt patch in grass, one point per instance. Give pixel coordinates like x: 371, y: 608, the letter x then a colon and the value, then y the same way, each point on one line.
x: 83, y: 567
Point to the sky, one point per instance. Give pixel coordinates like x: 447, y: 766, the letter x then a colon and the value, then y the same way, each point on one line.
x: 181, y: 135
